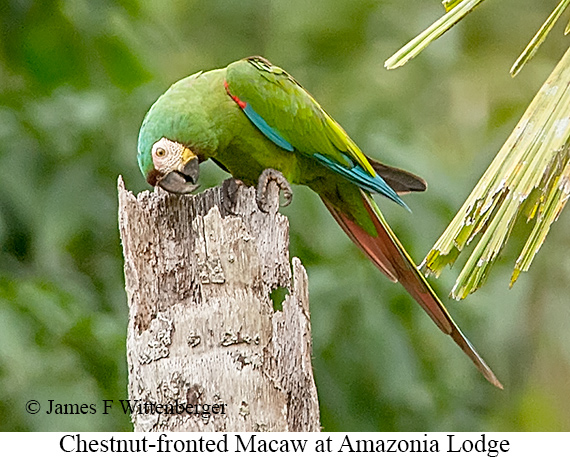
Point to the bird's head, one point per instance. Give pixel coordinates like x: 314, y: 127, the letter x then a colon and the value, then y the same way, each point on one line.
x: 170, y: 165
x: 178, y: 133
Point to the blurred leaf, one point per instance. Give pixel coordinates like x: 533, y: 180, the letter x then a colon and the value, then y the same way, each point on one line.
x: 123, y: 68
x: 41, y: 41
x: 529, y: 177
x: 455, y: 12
x: 539, y: 38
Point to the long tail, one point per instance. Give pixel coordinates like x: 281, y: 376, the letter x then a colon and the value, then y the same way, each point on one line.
x: 388, y: 254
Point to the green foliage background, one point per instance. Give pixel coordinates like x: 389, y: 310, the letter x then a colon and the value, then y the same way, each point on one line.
x: 76, y: 78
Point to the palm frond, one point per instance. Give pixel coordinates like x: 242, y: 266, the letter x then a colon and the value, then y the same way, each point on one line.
x: 529, y: 177
x: 456, y: 10
x: 539, y: 38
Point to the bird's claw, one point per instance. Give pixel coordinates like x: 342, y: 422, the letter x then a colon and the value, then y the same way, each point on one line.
x: 229, y: 194
x: 262, y: 193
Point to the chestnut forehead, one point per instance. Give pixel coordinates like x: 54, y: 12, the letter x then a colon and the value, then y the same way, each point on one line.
x: 153, y: 177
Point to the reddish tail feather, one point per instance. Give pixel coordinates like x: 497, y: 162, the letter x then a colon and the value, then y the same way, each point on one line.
x: 388, y: 254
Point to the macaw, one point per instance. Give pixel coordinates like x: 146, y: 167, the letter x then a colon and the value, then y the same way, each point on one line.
x: 259, y: 124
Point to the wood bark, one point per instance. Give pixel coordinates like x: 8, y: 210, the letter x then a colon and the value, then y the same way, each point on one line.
x: 199, y: 271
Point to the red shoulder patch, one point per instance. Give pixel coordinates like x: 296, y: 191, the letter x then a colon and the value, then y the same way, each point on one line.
x: 240, y: 103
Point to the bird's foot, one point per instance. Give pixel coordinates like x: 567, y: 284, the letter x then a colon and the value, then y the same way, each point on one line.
x: 264, y: 196
x: 230, y: 189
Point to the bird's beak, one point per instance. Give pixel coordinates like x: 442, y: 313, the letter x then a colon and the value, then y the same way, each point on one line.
x: 182, y: 181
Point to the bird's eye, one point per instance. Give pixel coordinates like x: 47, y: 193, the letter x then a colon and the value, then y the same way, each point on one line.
x: 160, y: 152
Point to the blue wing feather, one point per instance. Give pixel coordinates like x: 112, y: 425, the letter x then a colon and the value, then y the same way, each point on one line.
x: 362, y: 179
x: 266, y: 129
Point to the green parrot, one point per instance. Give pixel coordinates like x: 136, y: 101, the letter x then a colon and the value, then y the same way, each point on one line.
x: 256, y: 122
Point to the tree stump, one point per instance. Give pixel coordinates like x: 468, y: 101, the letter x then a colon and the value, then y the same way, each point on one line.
x: 206, y: 349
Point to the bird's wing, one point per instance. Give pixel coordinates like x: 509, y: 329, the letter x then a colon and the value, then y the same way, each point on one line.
x: 290, y: 117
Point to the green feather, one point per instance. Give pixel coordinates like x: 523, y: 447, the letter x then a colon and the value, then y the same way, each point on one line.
x: 292, y: 111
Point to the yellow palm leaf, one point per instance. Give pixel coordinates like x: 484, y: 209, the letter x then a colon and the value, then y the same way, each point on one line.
x: 530, y: 177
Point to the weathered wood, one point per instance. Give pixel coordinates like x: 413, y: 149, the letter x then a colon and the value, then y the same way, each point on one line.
x: 202, y: 328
